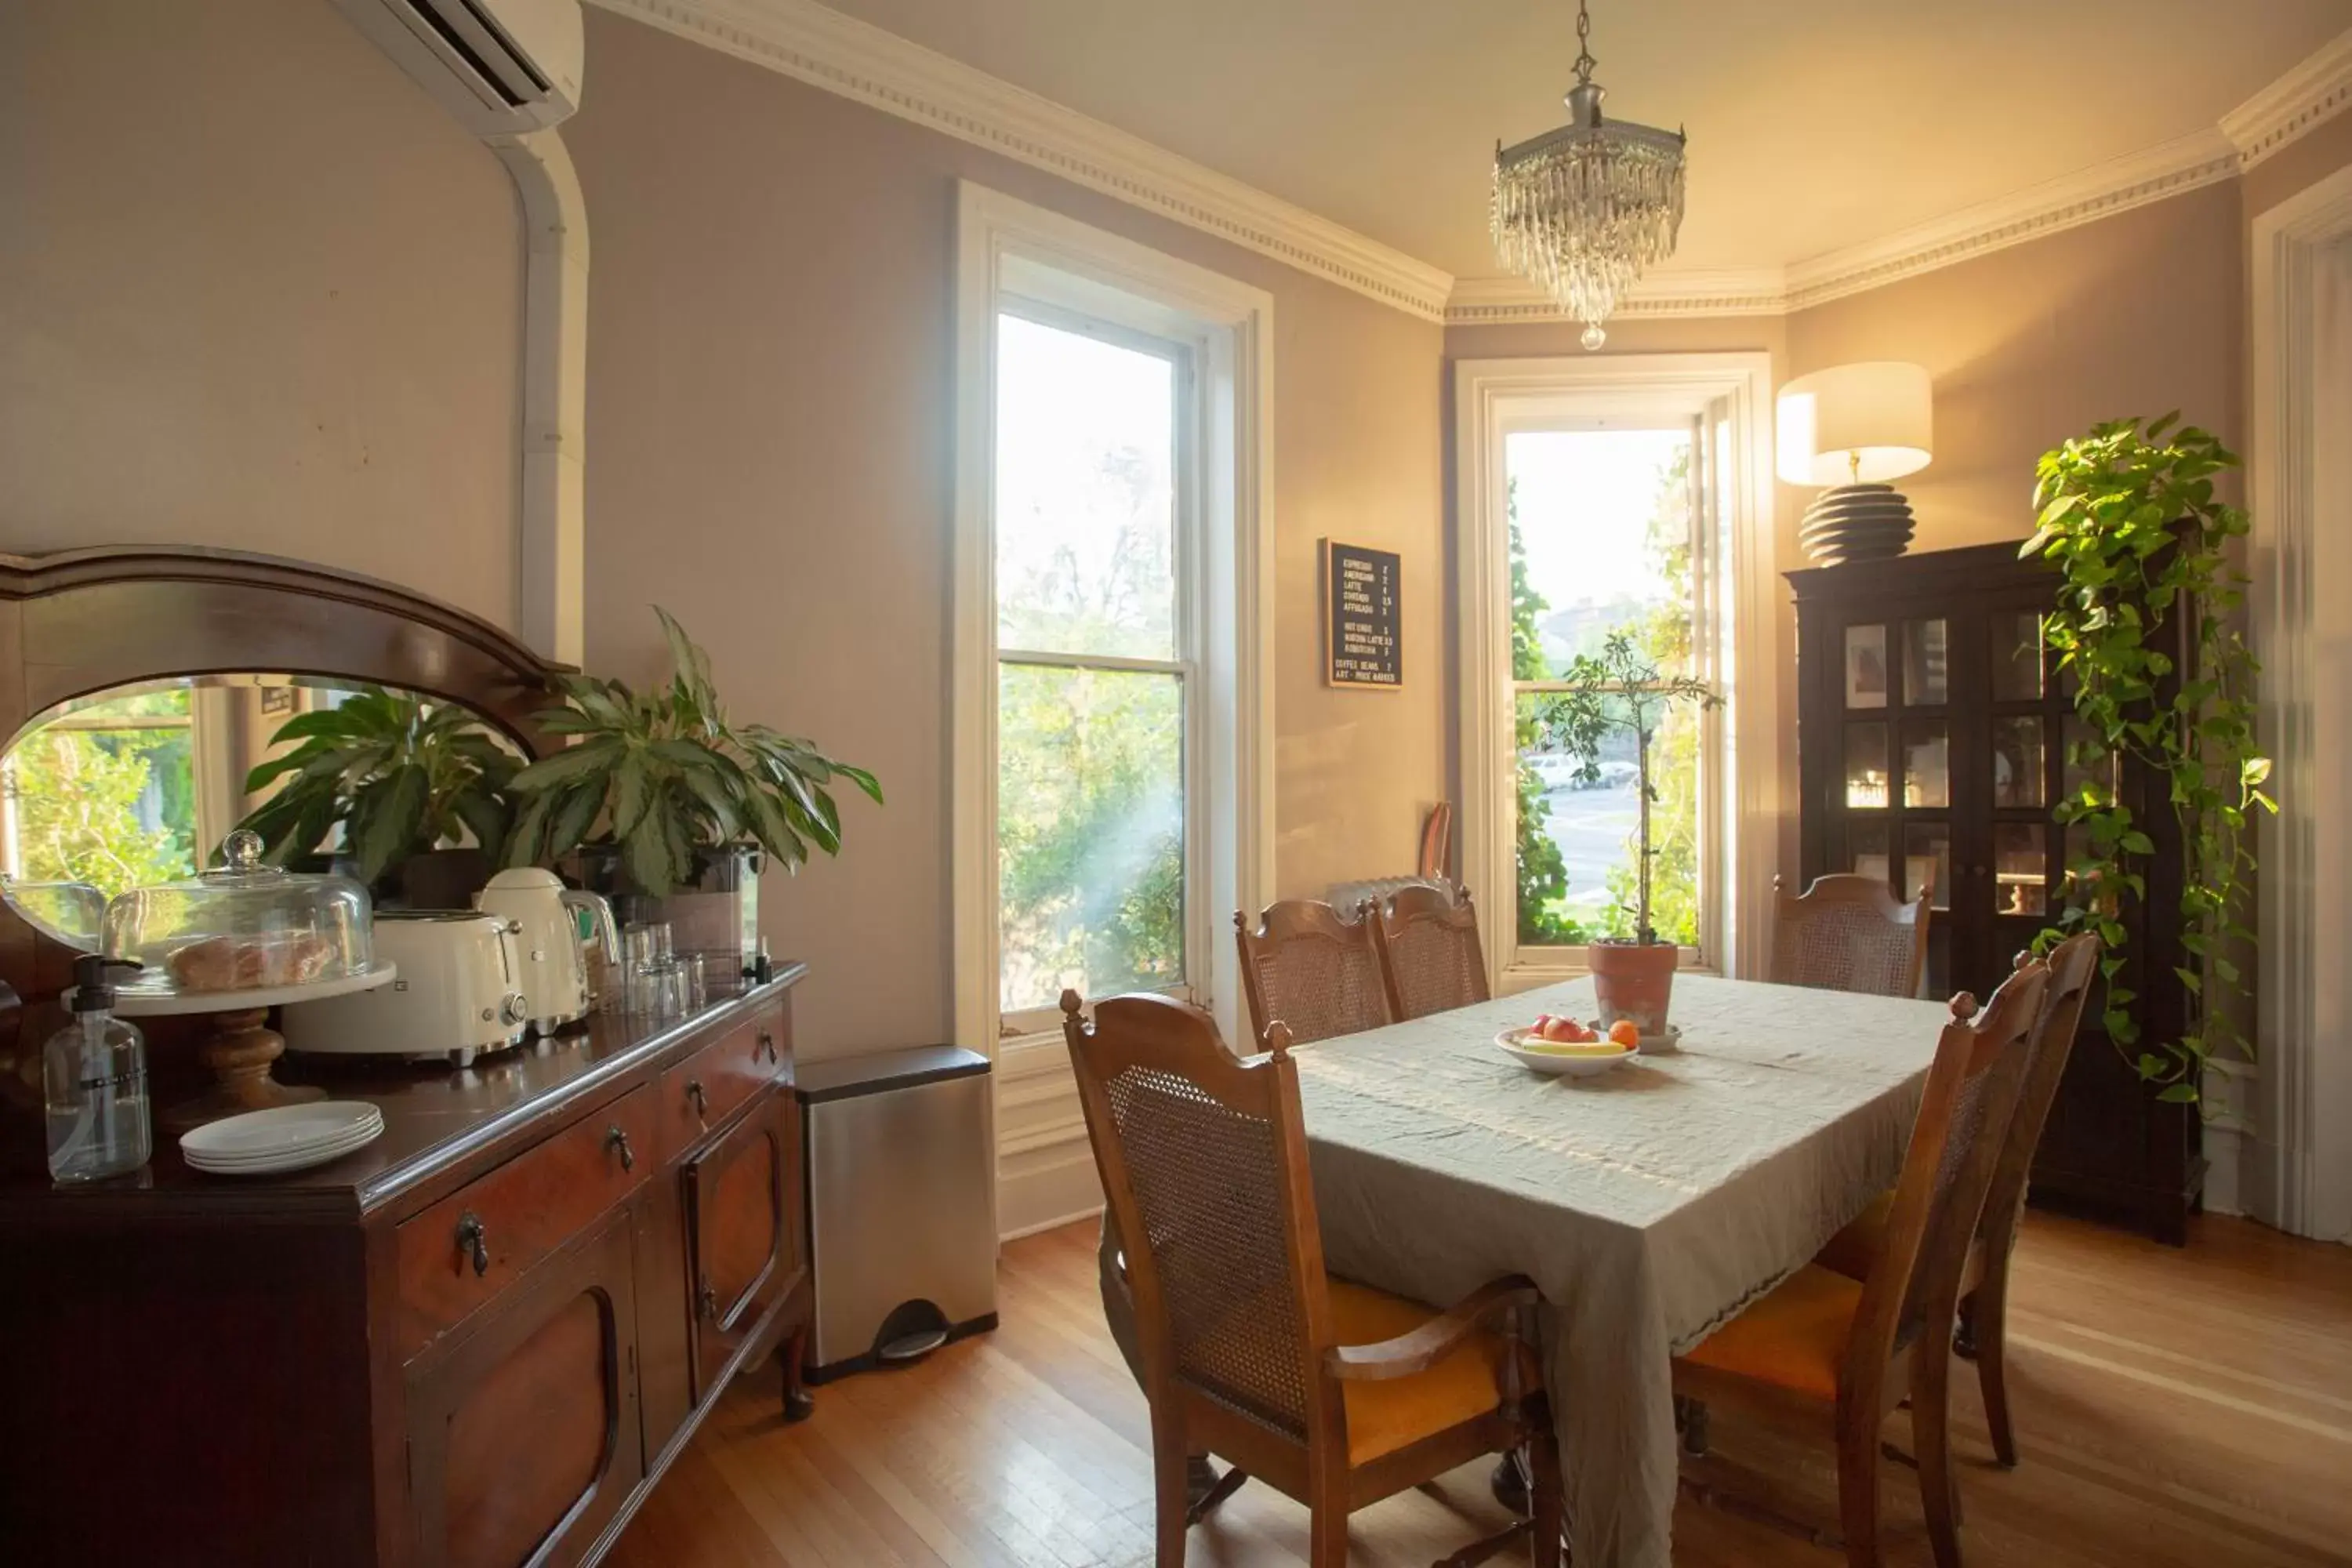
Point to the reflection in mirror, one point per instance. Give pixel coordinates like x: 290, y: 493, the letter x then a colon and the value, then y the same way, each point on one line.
x: 139, y: 785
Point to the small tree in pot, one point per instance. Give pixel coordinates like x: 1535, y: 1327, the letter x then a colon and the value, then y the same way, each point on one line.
x: 664, y: 784
x: 1621, y: 690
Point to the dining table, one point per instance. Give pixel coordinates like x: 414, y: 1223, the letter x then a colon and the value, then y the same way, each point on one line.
x: 1649, y: 1203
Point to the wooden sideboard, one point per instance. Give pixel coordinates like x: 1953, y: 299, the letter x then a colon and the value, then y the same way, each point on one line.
x: 478, y: 1342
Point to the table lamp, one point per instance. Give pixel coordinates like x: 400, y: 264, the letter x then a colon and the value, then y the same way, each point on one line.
x: 1853, y: 427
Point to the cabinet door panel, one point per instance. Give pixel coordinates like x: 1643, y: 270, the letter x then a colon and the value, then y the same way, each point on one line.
x: 524, y: 1436
x: 743, y: 1226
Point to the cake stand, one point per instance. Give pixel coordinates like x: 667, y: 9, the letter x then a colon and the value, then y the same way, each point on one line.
x: 242, y: 1046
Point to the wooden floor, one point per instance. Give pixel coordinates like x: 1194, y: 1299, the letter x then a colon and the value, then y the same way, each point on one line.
x: 2175, y: 1408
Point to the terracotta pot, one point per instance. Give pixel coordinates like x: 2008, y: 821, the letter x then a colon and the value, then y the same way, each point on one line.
x: 1633, y: 980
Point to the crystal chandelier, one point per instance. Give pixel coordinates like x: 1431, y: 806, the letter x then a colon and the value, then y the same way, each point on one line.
x: 1582, y: 210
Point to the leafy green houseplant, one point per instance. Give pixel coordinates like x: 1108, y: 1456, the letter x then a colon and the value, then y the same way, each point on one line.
x: 662, y: 779
x: 2130, y: 517
x: 1621, y: 690
x: 402, y: 773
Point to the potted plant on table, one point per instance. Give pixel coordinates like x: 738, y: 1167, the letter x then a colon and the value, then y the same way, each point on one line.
x: 1621, y: 691
x: 662, y: 796
x: 406, y: 776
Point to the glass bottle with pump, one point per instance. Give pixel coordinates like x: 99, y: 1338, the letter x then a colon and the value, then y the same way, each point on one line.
x: 94, y: 1078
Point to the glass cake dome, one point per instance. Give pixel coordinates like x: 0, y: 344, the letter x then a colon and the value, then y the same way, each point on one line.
x: 244, y: 926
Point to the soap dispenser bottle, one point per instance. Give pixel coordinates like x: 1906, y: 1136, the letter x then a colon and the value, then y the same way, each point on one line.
x: 94, y: 1078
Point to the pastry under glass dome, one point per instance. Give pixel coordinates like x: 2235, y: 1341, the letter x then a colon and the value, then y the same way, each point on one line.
x: 245, y: 926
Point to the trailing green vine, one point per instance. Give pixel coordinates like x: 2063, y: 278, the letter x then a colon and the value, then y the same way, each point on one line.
x: 2128, y: 515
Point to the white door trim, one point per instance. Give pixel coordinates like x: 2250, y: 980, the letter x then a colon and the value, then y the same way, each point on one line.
x: 2300, y: 495
x: 1489, y: 397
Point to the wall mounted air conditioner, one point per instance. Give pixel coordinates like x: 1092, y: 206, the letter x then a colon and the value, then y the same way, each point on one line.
x: 501, y: 67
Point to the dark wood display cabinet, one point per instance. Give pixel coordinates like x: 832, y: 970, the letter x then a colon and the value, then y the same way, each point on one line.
x: 480, y: 1339
x: 1932, y: 739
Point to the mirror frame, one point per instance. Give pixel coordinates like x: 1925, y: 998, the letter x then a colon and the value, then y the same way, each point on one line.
x: 82, y: 620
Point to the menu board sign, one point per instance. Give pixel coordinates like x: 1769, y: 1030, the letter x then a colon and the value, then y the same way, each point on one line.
x: 1361, y: 616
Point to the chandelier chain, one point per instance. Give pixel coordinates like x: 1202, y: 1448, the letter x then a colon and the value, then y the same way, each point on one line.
x: 1584, y: 60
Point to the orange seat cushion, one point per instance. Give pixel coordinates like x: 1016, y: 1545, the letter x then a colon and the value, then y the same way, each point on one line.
x: 1793, y: 1339
x: 1853, y: 1250
x: 1383, y: 1417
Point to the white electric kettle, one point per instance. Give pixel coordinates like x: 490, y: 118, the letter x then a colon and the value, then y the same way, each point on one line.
x: 555, y: 968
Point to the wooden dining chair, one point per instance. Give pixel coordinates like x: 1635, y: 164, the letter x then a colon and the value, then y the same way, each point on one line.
x: 1847, y: 932
x: 1313, y: 969
x: 1983, y: 1332
x: 1330, y: 1392
x: 1430, y: 956
x: 1841, y: 1353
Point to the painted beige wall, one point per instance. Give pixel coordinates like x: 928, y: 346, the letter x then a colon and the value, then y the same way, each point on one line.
x: 256, y: 290
x: 2135, y: 314
x: 768, y: 436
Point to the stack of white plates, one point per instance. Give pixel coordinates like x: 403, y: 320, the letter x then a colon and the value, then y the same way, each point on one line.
x: 286, y: 1137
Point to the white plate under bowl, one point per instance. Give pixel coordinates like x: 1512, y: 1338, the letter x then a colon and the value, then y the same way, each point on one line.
x: 1512, y: 1042
x: 1651, y: 1045
x: 284, y: 1138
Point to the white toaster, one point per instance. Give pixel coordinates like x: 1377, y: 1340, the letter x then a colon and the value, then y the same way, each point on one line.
x: 458, y: 992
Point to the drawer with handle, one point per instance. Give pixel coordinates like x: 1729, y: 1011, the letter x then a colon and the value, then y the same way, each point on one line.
x: 464, y: 1251
x: 706, y: 1089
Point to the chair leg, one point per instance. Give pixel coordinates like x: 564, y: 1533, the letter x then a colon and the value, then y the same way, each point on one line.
x: 1858, y: 1490
x: 1989, y: 1326
x: 1546, y: 1508
x: 1169, y: 1499
x: 1931, y: 1441
x: 1327, y: 1534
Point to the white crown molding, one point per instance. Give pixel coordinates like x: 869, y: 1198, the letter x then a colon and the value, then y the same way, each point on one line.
x: 814, y: 44
x: 1729, y: 291
x: 2295, y: 104
x: 2086, y: 196
x: 2101, y: 191
x: 854, y: 59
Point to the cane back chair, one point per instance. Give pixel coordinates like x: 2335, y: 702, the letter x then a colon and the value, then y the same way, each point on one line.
x: 1984, y: 1290
x: 1330, y: 1392
x: 1430, y: 956
x: 1842, y: 1354
x: 1849, y: 933
x: 1312, y: 969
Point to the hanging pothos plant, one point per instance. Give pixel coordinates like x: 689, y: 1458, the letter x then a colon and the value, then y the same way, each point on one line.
x: 2128, y: 515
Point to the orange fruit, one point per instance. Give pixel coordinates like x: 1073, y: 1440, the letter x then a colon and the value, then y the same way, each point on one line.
x: 1626, y: 1033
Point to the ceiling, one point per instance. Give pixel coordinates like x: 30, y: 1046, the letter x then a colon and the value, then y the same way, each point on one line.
x: 1814, y: 124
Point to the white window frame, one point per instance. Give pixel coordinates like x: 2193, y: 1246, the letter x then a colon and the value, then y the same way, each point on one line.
x: 1188, y: 625
x: 1493, y: 400
x: 1012, y: 254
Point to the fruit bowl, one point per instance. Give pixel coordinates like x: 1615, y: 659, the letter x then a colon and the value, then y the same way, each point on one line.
x: 1556, y: 1060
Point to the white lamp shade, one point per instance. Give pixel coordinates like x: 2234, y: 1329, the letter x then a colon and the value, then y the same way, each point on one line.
x: 1880, y: 414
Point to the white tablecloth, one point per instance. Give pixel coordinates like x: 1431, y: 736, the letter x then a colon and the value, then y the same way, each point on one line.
x: 1650, y: 1204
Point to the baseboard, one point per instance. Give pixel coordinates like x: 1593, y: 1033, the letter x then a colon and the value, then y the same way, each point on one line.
x: 1043, y: 1186
x: 1054, y: 1224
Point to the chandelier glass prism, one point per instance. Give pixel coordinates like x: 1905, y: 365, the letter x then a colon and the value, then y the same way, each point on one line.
x: 1584, y: 210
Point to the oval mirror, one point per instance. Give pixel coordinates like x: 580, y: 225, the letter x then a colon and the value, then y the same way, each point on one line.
x: 140, y: 784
